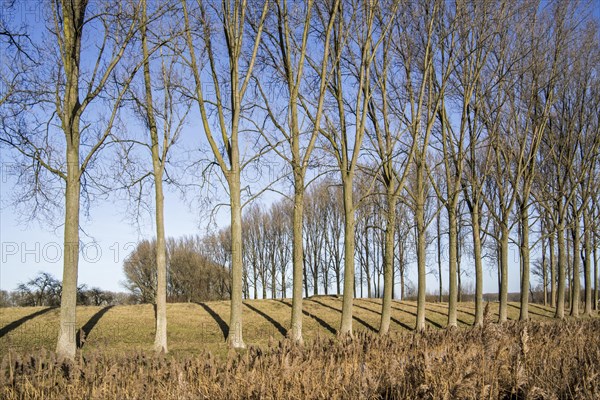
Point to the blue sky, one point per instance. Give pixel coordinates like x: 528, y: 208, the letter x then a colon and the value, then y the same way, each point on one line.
x: 109, y: 234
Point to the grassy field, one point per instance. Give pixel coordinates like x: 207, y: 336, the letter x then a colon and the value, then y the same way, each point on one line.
x: 194, y: 328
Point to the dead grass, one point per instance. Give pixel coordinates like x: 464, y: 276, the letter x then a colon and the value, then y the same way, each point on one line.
x: 534, y: 360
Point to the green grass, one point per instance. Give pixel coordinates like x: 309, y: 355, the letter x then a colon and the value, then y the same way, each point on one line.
x: 194, y: 328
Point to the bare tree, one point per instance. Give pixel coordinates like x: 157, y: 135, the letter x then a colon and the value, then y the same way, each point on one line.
x: 224, y: 107
x: 66, y: 88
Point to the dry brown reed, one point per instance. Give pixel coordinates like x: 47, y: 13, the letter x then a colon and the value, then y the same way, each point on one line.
x: 535, y: 360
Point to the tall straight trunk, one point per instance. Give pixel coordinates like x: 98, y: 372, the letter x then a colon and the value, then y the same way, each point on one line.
x: 478, y: 264
x: 401, y: 273
x: 595, y: 272
x: 524, y: 216
x: 315, y: 268
x: 235, y: 338
x: 587, y: 266
x: 452, y: 257
x: 388, y: 263
x: 346, y: 321
x: 255, y: 277
x: 504, y: 233
x: 273, y: 276
x: 421, y: 248
x: 297, y: 264
x: 438, y: 223
x: 160, y: 338
x: 367, y: 263
x: 576, y: 278
x: 569, y: 265
x: 74, y: 15
x: 459, y: 292
x: 553, y: 277
x: 562, y: 261
x: 305, y: 278
x: 67, y: 345
x: 544, y: 271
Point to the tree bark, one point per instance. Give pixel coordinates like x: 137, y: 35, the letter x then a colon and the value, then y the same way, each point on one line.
x: 576, y: 259
x: 478, y: 265
x: 346, y: 321
x: 524, y: 217
x: 452, y: 258
x: 73, y: 14
x: 388, y: 272
x: 502, y: 313
x: 562, y: 261
x: 235, y: 338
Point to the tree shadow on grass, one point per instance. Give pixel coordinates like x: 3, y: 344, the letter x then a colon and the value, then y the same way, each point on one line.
x: 530, y: 311
x: 397, y: 321
x: 222, y: 324
x: 319, y: 320
x: 414, y: 314
x: 84, y: 332
x: 360, y: 320
x: 266, y: 316
x: 15, y: 324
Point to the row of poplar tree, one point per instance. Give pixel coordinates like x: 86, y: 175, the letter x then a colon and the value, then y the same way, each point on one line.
x: 493, y: 104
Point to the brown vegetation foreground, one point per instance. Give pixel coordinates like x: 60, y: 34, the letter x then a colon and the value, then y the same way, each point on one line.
x: 537, y: 360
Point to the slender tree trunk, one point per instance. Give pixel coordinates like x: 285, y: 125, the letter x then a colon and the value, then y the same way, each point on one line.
x: 544, y: 270
x: 595, y: 272
x: 452, y: 257
x: 524, y: 211
x: 160, y: 340
x: 478, y: 265
x: 346, y: 321
x: 315, y: 268
x: 388, y: 260
x: 73, y: 14
x: 297, y: 263
x: 255, y: 277
x: 587, y: 266
x: 576, y: 278
x: 553, y: 274
x: 421, y: 248
x: 503, y: 271
x: 273, y: 275
x: 235, y: 338
x: 366, y: 266
x: 562, y: 261
x: 67, y: 345
x: 438, y: 220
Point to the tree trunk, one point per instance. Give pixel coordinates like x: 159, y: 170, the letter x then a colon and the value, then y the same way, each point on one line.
x: 478, y: 265
x: 388, y: 260
x: 235, y: 338
x: 587, y: 265
x: 297, y: 264
x: 438, y: 220
x: 160, y: 339
x: 544, y: 270
x: 452, y: 257
x: 562, y: 261
x: 595, y: 272
x: 346, y: 322
x: 524, y: 211
x: 73, y: 14
x: 421, y: 248
x: 552, y: 270
x: 504, y: 233
x: 576, y: 279
x: 67, y: 345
